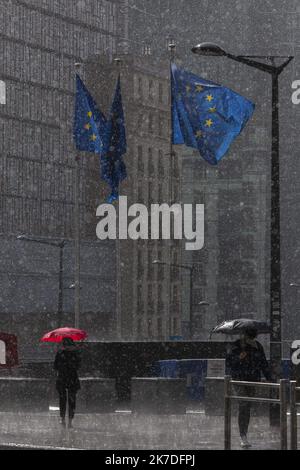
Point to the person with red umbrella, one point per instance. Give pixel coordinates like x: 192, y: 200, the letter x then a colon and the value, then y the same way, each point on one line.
x: 67, y: 363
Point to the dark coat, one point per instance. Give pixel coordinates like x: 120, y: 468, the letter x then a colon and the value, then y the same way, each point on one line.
x: 67, y: 363
x: 252, y: 366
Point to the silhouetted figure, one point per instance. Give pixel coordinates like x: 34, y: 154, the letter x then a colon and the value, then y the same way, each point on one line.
x: 247, y: 362
x: 67, y: 363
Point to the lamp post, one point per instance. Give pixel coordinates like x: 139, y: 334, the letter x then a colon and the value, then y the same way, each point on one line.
x: 61, y: 246
x: 191, y: 270
x: 210, y: 49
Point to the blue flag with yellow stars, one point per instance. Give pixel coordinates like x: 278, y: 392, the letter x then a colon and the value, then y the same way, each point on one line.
x: 113, y: 169
x: 205, y: 115
x: 90, y: 126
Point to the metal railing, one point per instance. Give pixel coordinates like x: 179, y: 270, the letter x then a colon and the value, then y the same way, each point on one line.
x: 281, y: 401
x: 293, y: 410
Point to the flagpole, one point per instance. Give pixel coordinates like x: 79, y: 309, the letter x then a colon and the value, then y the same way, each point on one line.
x: 118, y: 263
x: 77, y: 235
x: 172, y: 50
x: 77, y: 241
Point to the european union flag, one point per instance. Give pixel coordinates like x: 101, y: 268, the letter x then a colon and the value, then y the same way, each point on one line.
x: 113, y: 169
x: 206, y: 116
x: 90, y: 127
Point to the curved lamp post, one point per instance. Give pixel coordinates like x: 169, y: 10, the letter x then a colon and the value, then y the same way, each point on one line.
x: 211, y: 49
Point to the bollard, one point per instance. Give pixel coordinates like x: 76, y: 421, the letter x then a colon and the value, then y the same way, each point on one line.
x: 293, y: 410
x: 227, y: 412
x: 283, y: 413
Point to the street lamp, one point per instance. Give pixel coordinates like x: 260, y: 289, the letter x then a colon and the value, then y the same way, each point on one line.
x: 61, y: 246
x: 191, y: 270
x: 210, y: 49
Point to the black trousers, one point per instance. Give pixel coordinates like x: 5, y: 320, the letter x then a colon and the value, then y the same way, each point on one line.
x: 244, y: 408
x: 67, y: 394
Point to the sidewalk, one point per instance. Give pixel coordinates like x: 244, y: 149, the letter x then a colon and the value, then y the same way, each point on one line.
x: 125, y: 431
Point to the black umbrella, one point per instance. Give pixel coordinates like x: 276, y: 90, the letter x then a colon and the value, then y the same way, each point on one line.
x: 239, y: 325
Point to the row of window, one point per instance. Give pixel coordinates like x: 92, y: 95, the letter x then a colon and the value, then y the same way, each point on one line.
x: 153, y: 193
x: 151, y: 91
x: 99, y: 13
x: 53, y: 32
x: 47, y: 68
x: 35, y: 216
x: 157, y: 328
x: 155, y: 162
x: 155, y: 294
x: 42, y: 180
x: 39, y: 104
x: 153, y: 123
x: 33, y: 141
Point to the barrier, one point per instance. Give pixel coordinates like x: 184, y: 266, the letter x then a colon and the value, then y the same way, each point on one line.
x: 293, y: 410
x: 282, y: 401
x: 24, y: 394
x: 151, y: 395
x: 214, y: 399
x: 96, y: 395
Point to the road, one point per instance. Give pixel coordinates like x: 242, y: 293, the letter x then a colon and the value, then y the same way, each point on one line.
x: 123, y: 430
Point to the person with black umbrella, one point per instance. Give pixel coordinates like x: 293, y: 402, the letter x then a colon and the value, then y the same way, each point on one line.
x: 247, y: 362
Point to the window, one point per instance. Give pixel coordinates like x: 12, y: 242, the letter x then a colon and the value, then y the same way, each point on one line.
x: 160, y: 126
x: 151, y: 90
x: 2, y: 92
x: 140, y: 87
x: 140, y: 267
x: 150, y: 331
x: 160, y: 301
x: 161, y: 168
x: 140, y: 163
x: 147, y: 49
x: 175, y: 294
x: 139, y: 299
x: 160, y: 194
x: 159, y: 327
x: 175, y: 325
x: 150, y: 124
x: 150, y: 265
x: 150, y: 192
x: 151, y: 167
x: 160, y: 93
x: 139, y: 327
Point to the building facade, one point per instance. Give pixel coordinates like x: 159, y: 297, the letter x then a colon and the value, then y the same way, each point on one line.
x: 150, y: 294
x: 40, y: 43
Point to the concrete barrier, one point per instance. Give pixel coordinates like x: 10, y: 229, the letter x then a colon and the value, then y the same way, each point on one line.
x: 214, y: 399
x: 158, y: 395
x: 96, y: 395
x: 21, y: 394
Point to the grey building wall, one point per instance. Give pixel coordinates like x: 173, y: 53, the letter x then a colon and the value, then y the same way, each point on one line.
x: 149, y: 295
x: 40, y: 40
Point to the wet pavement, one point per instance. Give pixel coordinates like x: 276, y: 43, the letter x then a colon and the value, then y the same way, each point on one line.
x: 123, y: 430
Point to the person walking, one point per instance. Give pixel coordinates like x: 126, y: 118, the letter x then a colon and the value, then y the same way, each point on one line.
x: 247, y: 362
x: 67, y: 363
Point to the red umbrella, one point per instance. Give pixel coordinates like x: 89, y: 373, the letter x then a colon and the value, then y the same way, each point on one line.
x: 56, y: 336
